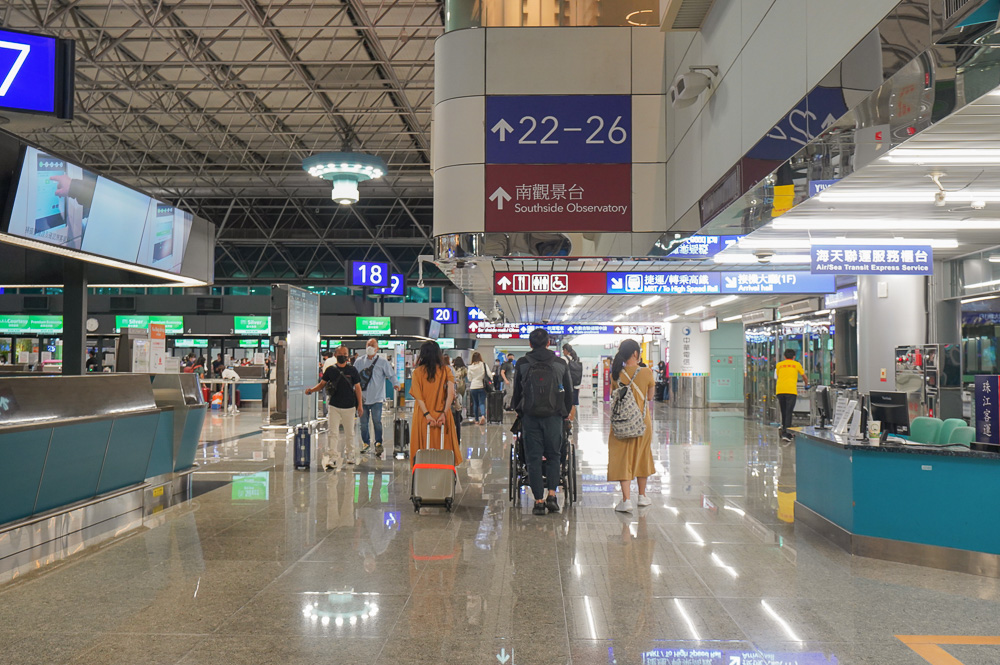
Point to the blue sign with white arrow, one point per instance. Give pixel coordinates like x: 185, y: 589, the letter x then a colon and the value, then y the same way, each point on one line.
x: 559, y: 129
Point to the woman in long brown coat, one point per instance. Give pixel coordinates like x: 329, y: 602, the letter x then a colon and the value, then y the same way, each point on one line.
x: 433, y: 389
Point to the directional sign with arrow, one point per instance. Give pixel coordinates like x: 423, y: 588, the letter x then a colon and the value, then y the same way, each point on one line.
x: 500, y: 196
x: 502, y: 129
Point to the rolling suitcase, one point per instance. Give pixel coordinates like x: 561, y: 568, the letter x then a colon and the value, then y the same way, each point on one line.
x: 494, y: 407
x: 303, y: 447
x: 401, y: 436
x: 433, y: 476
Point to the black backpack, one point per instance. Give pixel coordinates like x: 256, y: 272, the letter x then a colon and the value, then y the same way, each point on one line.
x: 576, y: 372
x: 542, y: 389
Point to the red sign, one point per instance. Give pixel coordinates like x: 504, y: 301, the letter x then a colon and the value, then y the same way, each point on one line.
x: 558, y: 197
x: 553, y: 283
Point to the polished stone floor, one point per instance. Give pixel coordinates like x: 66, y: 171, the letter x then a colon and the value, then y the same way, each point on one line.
x: 270, y: 565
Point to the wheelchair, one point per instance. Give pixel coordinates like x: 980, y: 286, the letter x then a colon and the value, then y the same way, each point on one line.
x: 518, y: 471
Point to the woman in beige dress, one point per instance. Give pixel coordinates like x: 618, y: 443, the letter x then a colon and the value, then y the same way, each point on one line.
x: 632, y: 458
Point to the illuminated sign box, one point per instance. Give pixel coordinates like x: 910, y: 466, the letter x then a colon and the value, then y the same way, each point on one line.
x: 252, y: 325
x: 35, y: 73
x: 373, y: 325
x: 191, y: 343
x: 174, y: 325
x: 17, y: 324
x: 249, y: 343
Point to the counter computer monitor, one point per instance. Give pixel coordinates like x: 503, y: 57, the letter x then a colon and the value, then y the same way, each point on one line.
x: 891, y: 409
x: 823, y: 408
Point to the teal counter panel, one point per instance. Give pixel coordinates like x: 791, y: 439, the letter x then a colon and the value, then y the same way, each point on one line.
x: 23, y: 455
x: 161, y: 459
x: 250, y: 390
x: 190, y: 438
x: 128, y: 451
x: 823, y: 480
x: 73, y: 467
x: 933, y: 500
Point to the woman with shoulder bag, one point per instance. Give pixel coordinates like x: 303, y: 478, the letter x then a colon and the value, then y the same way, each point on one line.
x: 631, y: 457
x: 456, y: 404
x: 479, y: 376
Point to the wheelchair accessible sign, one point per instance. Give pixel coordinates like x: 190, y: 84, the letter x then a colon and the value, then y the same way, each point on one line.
x: 872, y: 260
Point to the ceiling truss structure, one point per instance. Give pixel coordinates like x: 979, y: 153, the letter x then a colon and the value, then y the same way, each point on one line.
x: 213, y: 104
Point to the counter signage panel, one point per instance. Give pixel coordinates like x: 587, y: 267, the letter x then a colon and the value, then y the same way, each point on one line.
x: 988, y: 409
x: 191, y: 343
x: 174, y: 325
x: 444, y: 315
x: 369, y: 273
x: 872, y: 260
x: 17, y: 324
x: 252, y: 325
x: 28, y: 71
x: 249, y: 343
x: 397, y: 286
x: 373, y: 325
x: 710, y: 656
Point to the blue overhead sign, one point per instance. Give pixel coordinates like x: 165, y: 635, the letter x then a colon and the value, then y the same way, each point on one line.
x: 702, y: 246
x: 397, y: 286
x: 28, y: 79
x: 559, y: 129
x: 369, y: 273
x: 558, y: 330
x: 670, y: 283
x: 444, y: 315
x: 872, y: 260
x: 795, y: 281
x: 477, y: 314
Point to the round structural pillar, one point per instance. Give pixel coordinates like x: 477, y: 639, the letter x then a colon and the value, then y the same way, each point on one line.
x: 689, y: 365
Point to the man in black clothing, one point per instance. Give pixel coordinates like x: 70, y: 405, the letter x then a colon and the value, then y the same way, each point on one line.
x: 343, y: 392
x: 543, y: 398
x: 93, y: 364
x: 217, y: 366
x: 507, y: 378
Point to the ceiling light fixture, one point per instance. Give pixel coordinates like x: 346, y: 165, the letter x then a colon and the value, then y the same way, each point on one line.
x: 671, y: 318
x: 722, y: 301
x: 943, y: 156
x: 732, y: 318
x: 694, y: 310
x: 631, y: 310
x: 966, y: 301
x: 807, y: 243
x: 649, y: 301
x: 345, y: 170
x: 994, y: 258
x: 747, y: 257
x: 977, y: 285
x: 905, y: 196
x: 883, y: 224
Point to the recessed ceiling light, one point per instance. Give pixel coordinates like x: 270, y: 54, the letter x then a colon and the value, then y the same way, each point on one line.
x: 883, y: 224
x: 671, y: 318
x: 968, y: 300
x: 722, y: 301
x: 694, y: 310
x: 732, y: 318
x: 749, y: 257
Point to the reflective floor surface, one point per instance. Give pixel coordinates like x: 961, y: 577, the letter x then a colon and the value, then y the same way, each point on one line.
x: 271, y: 565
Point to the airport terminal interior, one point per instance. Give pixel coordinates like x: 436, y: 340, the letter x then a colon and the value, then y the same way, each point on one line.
x: 516, y: 332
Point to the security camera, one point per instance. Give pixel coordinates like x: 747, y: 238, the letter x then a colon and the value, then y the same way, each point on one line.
x: 495, y: 315
x: 688, y: 86
x: 764, y: 255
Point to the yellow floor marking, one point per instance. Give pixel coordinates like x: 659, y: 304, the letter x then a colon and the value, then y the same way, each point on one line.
x: 929, y: 648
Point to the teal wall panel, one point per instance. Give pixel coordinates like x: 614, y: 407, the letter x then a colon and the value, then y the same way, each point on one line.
x: 726, y: 360
x: 76, y: 455
x: 823, y: 480
x: 23, y: 455
x: 161, y: 459
x: 190, y: 438
x: 929, y: 499
x: 128, y: 452
x: 250, y: 390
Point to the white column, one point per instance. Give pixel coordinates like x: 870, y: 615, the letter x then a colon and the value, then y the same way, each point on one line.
x: 891, y: 313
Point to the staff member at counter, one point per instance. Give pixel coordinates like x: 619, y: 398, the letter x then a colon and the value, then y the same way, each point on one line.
x: 787, y: 389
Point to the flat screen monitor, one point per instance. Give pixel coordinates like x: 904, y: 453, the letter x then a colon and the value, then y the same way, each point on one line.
x: 823, y: 408
x: 891, y: 409
x: 434, y: 329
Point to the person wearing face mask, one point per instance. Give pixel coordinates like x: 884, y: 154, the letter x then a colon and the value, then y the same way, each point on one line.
x: 632, y: 458
x: 374, y: 371
x: 343, y: 394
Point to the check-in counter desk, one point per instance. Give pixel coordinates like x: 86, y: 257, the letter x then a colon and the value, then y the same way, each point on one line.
x: 182, y: 416
x: 926, y: 505
x: 67, y: 439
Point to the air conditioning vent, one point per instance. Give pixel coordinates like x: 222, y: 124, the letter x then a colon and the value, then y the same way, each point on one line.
x: 952, y: 7
x: 122, y: 304
x: 799, y: 307
x: 688, y: 14
x: 209, y: 305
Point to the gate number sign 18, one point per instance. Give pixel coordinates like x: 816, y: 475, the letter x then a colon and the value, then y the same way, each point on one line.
x: 444, y: 315
x: 367, y: 273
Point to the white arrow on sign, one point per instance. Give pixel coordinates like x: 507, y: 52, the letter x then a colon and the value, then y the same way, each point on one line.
x: 500, y: 196
x: 616, y: 283
x: 21, y: 57
x: 504, y: 283
x: 503, y: 128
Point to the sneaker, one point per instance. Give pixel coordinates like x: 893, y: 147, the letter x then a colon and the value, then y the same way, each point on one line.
x: 379, y: 450
x: 539, y: 508
x: 365, y: 448
x: 643, y: 500
x: 625, y: 506
x: 552, y: 504
x: 351, y: 461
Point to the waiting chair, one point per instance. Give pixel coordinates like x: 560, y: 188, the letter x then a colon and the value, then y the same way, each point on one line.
x: 949, y: 426
x: 963, y: 435
x: 925, y: 430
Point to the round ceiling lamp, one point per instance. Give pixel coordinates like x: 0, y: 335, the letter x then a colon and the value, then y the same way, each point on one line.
x: 345, y: 170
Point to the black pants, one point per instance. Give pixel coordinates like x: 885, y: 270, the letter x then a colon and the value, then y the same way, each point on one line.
x: 786, y: 404
x: 542, y: 436
x: 457, y: 417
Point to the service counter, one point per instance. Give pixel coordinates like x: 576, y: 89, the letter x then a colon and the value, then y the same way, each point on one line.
x: 183, y: 409
x: 926, y: 505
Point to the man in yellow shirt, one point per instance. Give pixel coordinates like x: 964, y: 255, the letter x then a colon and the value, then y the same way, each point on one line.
x: 787, y: 389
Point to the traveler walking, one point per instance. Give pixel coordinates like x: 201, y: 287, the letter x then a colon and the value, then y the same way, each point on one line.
x: 433, y: 389
x: 575, y: 371
x: 478, y: 375
x: 787, y: 389
x: 343, y: 391
x: 543, y: 398
x: 631, y: 457
x: 374, y: 371
x: 456, y: 404
x: 507, y: 381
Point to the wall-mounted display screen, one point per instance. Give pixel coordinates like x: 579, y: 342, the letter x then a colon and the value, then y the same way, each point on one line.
x: 251, y: 325
x: 174, y: 325
x: 62, y: 204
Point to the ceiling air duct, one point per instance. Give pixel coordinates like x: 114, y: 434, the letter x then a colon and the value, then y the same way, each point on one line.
x: 685, y: 14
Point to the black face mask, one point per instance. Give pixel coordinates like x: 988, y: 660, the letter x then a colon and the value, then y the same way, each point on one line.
x: 341, y: 360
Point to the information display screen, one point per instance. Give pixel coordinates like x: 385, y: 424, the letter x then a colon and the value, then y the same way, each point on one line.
x: 174, y: 325
x: 252, y: 325
x: 59, y: 203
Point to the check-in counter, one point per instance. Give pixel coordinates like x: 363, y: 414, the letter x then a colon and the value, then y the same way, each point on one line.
x: 912, y: 503
x: 183, y: 409
x: 65, y: 439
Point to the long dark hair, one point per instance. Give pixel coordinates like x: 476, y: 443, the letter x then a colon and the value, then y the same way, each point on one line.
x: 430, y: 357
x: 458, y: 363
x: 476, y: 357
x: 625, y: 351
x: 569, y: 351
